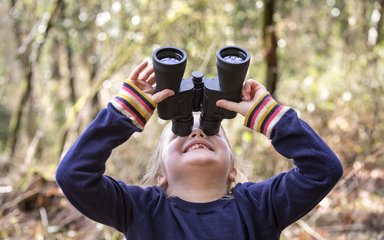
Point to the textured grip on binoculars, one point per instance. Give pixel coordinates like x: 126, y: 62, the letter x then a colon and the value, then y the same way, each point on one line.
x: 134, y: 103
x: 264, y: 115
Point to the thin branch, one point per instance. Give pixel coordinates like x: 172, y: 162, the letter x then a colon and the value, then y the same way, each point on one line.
x: 310, y: 230
x: 19, y: 199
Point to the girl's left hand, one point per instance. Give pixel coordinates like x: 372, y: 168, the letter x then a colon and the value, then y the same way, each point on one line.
x: 252, y: 91
x: 143, y: 77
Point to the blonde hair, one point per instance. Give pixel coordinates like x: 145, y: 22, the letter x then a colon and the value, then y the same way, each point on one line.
x: 156, y: 168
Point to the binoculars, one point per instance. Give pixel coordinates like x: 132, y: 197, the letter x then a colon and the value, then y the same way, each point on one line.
x: 198, y: 93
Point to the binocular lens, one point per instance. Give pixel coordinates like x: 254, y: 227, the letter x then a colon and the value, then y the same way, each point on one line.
x: 233, y: 55
x: 170, y: 55
x: 232, y: 65
x: 169, y: 60
x: 233, y: 59
x: 169, y: 64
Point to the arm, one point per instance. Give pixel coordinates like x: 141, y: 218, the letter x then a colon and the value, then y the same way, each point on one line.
x: 81, y: 172
x: 288, y: 196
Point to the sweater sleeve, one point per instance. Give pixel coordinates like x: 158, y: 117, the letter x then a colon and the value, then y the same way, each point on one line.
x: 81, y: 177
x: 288, y: 196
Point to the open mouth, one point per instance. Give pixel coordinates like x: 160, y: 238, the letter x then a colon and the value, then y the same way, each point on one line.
x: 195, y: 146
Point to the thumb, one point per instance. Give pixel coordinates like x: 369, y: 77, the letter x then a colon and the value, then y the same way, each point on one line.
x: 160, y: 96
x: 231, y: 106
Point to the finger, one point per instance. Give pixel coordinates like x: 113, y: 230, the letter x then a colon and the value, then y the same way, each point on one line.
x: 231, y: 106
x: 246, y: 91
x: 251, y: 84
x: 143, y: 76
x: 256, y: 86
x: 248, y: 86
x: 138, y: 69
x: 160, y: 96
x: 151, y: 79
x: 258, y: 91
x: 245, y: 96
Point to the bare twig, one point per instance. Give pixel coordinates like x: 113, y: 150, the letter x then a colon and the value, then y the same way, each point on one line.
x: 18, y: 199
x: 309, y: 230
x: 44, y: 217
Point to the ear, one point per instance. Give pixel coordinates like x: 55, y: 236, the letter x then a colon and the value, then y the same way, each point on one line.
x: 162, y: 182
x: 232, y: 175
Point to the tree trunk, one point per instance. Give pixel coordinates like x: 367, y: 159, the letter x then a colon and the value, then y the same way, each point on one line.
x: 270, y: 46
x: 15, y: 123
x: 71, y: 80
x: 95, y: 100
x: 28, y: 58
x: 380, y: 34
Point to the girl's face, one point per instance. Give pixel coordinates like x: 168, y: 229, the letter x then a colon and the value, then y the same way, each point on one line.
x: 197, y: 152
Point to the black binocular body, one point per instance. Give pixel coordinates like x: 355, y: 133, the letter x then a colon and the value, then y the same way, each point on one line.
x: 198, y: 93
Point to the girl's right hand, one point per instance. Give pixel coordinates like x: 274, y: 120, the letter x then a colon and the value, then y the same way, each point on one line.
x: 143, y: 77
x: 137, y: 98
x: 252, y: 92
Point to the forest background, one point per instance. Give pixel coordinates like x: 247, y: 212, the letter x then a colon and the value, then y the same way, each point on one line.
x: 62, y: 61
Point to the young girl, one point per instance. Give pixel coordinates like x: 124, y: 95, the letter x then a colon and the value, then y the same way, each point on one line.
x: 191, y: 196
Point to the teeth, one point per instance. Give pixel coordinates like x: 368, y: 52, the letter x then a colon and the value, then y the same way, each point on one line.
x: 197, y: 146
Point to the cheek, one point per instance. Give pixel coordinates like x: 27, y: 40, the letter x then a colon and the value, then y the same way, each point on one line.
x: 171, y: 152
x: 226, y: 154
x: 224, y: 148
x: 171, y: 160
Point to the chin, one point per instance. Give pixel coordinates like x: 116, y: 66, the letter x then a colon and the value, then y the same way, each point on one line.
x: 199, y: 157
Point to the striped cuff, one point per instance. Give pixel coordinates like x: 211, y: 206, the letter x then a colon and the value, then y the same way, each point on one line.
x: 134, y: 103
x: 264, y: 115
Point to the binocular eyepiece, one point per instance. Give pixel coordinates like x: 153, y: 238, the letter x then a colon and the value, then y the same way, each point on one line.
x: 198, y: 93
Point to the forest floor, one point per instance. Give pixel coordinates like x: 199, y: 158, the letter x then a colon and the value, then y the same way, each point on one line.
x: 39, y: 210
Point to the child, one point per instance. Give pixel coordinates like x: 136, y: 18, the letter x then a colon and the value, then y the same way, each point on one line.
x: 191, y: 196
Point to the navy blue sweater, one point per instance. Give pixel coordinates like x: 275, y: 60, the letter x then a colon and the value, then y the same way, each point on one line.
x: 254, y: 210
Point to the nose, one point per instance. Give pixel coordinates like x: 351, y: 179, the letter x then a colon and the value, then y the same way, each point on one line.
x: 197, y: 132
